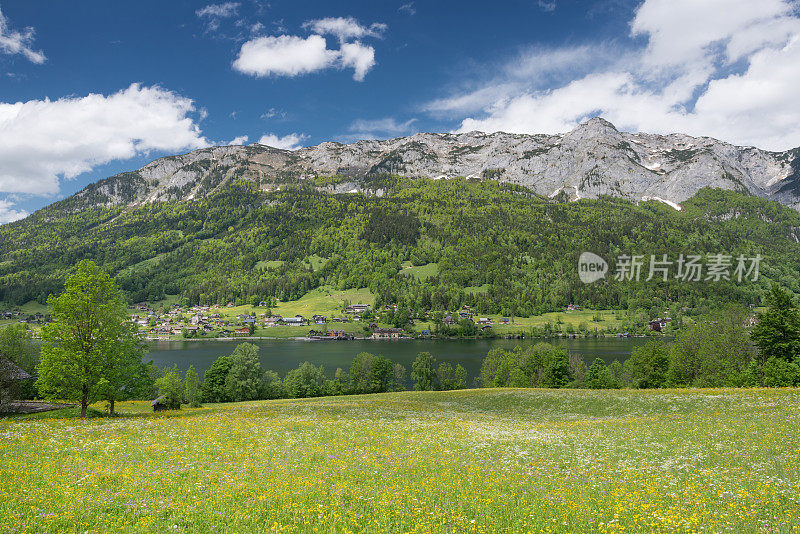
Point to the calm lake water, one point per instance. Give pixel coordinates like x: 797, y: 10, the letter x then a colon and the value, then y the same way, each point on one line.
x: 283, y: 355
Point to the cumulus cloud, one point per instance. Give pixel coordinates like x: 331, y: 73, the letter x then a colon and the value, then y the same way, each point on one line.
x: 42, y: 141
x: 358, y: 56
x: 344, y: 28
x: 290, y: 55
x: 285, y: 55
x: 19, y: 42
x: 723, y: 68
x: 292, y: 141
x: 8, y: 215
x: 240, y: 140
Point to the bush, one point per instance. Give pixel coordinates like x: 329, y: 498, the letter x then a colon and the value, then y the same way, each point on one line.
x: 305, y: 381
x: 780, y: 373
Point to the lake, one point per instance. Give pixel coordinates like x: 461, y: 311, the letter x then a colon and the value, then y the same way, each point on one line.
x: 284, y: 355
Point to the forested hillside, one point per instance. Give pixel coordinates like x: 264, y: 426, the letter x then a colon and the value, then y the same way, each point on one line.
x: 498, y: 247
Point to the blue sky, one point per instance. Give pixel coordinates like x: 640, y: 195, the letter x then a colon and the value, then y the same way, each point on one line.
x: 92, y: 88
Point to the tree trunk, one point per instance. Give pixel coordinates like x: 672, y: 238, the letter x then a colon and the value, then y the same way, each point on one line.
x: 84, y: 402
x: 111, y: 407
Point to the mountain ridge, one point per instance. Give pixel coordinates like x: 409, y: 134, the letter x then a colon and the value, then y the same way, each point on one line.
x: 592, y: 160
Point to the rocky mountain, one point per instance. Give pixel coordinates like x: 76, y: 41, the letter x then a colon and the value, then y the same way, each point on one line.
x: 593, y: 159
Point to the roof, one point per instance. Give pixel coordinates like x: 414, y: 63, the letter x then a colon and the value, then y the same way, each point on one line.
x: 10, y: 369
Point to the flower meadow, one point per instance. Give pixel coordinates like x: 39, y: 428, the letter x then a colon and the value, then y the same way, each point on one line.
x: 490, y: 460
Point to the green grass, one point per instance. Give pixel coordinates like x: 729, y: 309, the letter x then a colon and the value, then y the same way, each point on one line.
x: 316, y: 262
x: 421, y: 272
x: 477, y: 290
x: 322, y: 300
x: 468, y: 461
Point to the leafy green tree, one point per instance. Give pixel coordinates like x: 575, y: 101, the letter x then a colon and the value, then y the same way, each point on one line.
x: 399, y: 377
x: 780, y: 373
x: 599, y: 377
x: 214, y: 380
x: 648, y: 365
x: 423, y: 372
x: 361, y: 373
x: 170, y: 386
x: 243, y: 380
x: 460, y: 377
x: 193, y: 394
x: 777, y: 333
x: 305, y: 381
x: 271, y: 386
x: 86, y: 351
x: 715, y: 352
x: 542, y: 365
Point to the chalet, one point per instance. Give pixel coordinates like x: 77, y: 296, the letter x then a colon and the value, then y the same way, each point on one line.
x: 191, y: 328
x: 162, y: 405
x: 505, y: 320
x: 573, y: 307
x: 658, y: 325
x: 239, y: 332
x: 262, y: 304
x: 486, y: 327
x: 273, y: 320
x: 297, y: 320
x: 357, y: 308
x: 465, y: 314
x: 386, y: 333
x: 448, y: 320
x: 425, y: 333
x: 10, y: 374
x: 319, y: 319
x: 484, y: 320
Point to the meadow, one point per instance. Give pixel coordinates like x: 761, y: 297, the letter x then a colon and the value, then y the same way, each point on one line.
x: 494, y: 460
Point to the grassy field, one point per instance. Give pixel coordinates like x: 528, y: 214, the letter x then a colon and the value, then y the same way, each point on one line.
x: 322, y: 300
x: 466, y: 461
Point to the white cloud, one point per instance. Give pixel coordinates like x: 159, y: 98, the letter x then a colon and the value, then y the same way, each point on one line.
x: 358, y: 56
x: 42, y: 141
x: 8, y: 215
x: 240, y: 140
x: 547, y: 6
x: 379, y: 128
x: 226, y: 10
x: 285, y: 55
x: 723, y: 68
x: 15, y: 42
x: 408, y: 9
x: 288, y: 55
x: 291, y: 141
x: 345, y: 28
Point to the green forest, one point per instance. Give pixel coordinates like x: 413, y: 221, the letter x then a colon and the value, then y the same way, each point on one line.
x: 496, y: 247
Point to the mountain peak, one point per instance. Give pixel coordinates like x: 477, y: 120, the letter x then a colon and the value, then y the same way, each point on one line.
x: 593, y: 159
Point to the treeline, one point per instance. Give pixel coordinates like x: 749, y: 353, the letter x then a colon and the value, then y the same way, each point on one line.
x: 718, y: 351
x: 498, y: 248
x: 239, y: 377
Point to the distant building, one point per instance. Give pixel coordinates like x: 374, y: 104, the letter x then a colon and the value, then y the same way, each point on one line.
x: 357, y: 308
x: 386, y: 333
x: 297, y: 320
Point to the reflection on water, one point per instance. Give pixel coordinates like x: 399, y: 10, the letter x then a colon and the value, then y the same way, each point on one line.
x: 283, y: 355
